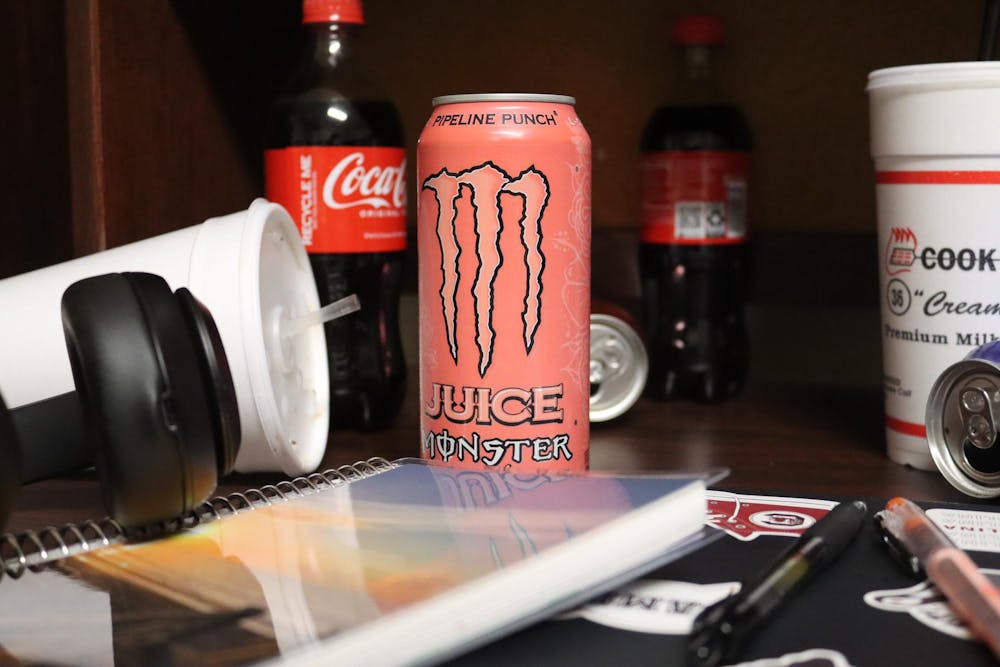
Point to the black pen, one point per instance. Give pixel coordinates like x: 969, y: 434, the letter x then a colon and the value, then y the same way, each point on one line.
x: 720, y: 630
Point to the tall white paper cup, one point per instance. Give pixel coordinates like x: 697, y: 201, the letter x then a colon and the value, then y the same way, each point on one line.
x: 251, y: 271
x: 935, y: 139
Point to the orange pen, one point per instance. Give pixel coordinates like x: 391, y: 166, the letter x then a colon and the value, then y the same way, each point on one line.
x: 974, y: 597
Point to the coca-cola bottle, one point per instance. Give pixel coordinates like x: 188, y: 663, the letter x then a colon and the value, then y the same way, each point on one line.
x: 335, y: 159
x: 693, y: 251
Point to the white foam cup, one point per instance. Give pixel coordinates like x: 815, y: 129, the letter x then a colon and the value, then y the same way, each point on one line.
x: 252, y: 272
x: 935, y: 140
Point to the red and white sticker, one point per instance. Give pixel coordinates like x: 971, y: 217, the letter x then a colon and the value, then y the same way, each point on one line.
x: 747, y: 517
x: 344, y: 199
x: 694, y: 197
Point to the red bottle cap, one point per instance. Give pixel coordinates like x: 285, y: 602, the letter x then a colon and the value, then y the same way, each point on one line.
x: 332, y: 11
x: 699, y: 29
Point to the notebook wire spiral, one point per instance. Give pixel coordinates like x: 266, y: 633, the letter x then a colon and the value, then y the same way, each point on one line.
x: 32, y: 550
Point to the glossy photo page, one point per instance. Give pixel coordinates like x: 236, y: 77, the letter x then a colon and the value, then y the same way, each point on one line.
x: 412, y: 564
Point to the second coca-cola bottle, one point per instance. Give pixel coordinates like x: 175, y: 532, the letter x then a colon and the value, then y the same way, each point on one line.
x: 335, y: 159
x: 694, y: 251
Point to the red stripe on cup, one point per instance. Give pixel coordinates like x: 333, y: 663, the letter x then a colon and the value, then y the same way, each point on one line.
x: 907, y: 428
x: 938, y: 177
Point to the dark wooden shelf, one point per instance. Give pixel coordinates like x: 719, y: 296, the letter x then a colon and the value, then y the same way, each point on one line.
x: 789, y: 439
x: 799, y: 441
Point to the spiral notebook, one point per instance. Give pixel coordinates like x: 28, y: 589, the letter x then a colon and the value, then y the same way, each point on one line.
x: 381, y: 563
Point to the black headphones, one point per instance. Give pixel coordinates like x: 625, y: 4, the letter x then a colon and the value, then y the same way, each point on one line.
x: 154, y: 408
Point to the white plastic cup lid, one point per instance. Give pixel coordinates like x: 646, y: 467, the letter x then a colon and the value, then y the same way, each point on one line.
x: 254, y: 285
x: 975, y: 74
x: 936, y: 110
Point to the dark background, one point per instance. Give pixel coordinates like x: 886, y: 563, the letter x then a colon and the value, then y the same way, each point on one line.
x: 127, y: 118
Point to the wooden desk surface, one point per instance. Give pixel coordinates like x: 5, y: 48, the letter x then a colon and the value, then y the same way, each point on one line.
x: 804, y: 441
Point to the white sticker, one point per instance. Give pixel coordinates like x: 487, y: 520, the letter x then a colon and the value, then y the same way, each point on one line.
x: 814, y: 657
x: 923, y: 602
x: 969, y: 530
x: 927, y: 604
x: 653, y: 606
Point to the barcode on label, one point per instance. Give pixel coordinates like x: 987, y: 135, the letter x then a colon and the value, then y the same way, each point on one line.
x: 736, y: 196
x: 689, y: 220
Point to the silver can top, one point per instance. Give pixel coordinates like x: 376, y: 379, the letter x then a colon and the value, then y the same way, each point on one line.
x: 503, y: 97
x: 618, y: 367
x: 963, y: 419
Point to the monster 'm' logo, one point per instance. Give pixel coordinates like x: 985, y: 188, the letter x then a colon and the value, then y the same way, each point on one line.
x: 485, y: 184
x: 900, y: 251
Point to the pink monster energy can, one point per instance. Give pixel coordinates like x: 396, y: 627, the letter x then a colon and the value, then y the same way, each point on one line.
x: 503, y: 238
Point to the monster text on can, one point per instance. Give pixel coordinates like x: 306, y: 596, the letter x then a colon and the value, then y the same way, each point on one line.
x: 450, y: 448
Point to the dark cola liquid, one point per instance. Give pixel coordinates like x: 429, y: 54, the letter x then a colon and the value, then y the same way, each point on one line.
x: 367, y: 369
x: 693, y: 296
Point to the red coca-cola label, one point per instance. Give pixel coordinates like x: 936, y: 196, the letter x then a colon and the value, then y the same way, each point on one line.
x: 694, y: 197
x: 344, y: 199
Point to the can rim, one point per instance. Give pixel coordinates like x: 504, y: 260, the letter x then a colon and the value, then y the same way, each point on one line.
x: 602, y: 412
x: 502, y: 97
x: 948, y: 456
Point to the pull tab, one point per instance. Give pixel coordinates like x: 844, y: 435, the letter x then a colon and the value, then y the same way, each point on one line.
x: 977, y: 417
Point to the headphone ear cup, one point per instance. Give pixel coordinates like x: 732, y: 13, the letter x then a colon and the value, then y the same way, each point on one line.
x: 10, y: 463
x: 216, y: 377
x: 147, y: 412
